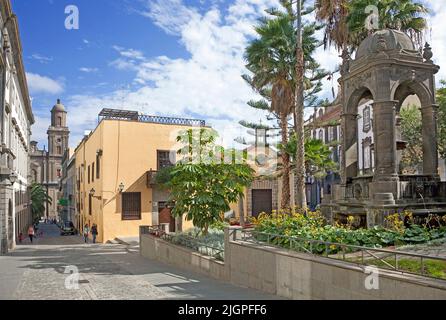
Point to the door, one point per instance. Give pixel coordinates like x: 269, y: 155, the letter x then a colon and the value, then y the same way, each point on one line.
x: 165, y: 217
x: 262, y: 201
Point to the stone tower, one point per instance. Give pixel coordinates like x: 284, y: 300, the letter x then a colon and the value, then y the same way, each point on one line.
x: 46, y: 165
x: 58, y: 132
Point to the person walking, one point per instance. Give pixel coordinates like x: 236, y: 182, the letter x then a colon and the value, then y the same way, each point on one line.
x: 94, y: 232
x: 31, y: 233
x: 86, y: 232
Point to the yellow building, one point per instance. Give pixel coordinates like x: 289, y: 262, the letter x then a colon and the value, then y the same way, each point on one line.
x: 114, y: 172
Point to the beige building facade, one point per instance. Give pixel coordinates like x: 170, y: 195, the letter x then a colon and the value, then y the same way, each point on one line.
x: 115, y: 165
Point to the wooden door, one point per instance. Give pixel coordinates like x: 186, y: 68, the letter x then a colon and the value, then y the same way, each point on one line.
x: 262, y: 201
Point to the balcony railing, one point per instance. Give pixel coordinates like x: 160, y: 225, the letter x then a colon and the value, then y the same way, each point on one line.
x: 115, y: 114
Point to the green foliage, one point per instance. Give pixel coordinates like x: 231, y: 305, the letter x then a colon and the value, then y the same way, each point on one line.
x: 318, y: 160
x: 441, y: 100
x: 39, y: 199
x: 211, y: 244
x: 313, y: 227
x: 207, y: 179
x: 411, y: 132
x: 404, y: 15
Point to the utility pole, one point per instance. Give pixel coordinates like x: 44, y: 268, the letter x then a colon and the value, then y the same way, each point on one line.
x: 301, y: 201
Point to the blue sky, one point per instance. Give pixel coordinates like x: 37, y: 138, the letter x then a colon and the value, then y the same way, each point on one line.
x: 164, y: 57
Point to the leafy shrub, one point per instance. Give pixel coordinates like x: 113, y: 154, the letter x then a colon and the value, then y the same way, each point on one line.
x: 312, y: 226
x: 211, y: 244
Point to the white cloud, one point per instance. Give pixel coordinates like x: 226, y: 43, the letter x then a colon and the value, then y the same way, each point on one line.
x: 41, y: 58
x: 437, y: 35
x: 88, y: 70
x: 41, y: 84
x: 208, y: 85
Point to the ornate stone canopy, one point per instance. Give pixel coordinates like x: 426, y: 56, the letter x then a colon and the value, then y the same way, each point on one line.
x: 387, y: 69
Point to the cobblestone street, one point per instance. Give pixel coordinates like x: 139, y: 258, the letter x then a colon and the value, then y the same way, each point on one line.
x: 39, y: 271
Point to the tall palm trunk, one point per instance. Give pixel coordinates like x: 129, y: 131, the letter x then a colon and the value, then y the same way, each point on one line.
x: 285, y: 203
x: 301, y: 199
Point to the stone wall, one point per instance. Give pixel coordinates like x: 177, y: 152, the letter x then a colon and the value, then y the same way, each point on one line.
x: 292, y: 275
x: 166, y: 252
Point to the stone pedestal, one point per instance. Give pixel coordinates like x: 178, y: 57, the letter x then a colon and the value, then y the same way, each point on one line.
x: 378, y: 189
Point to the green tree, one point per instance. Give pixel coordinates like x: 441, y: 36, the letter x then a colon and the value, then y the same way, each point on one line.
x: 207, y: 179
x: 39, y: 199
x: 407, y: 16
x: 411, y: 132
x: 318, y: 161
x: 271, y: 59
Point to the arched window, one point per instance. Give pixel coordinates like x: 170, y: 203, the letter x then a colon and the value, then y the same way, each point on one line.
x: 321, y: 135
x: 34, y: 175
x: 59, y: 121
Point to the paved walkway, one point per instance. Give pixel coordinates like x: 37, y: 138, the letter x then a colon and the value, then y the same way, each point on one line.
x: 39, y: 271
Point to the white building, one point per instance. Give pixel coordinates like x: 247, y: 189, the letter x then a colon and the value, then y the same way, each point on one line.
x: 16, y: 120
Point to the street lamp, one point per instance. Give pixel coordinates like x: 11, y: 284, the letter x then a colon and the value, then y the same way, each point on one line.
x: 13, y: 178
x: 92, y: 192
x: 121, y: 188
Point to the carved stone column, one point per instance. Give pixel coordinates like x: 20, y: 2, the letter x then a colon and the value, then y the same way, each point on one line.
x: 430, y: 144
x: 349, y: 167
x: 384, y: 121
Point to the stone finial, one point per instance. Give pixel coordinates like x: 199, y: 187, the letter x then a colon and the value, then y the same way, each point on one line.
x: 427, y: 53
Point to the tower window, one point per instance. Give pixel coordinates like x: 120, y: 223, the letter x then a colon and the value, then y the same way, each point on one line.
x: 59, y: 121
x: 59, y: 150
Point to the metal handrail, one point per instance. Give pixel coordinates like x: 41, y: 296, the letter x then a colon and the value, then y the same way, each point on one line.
x: 296, y: 242
x: 191, y: 243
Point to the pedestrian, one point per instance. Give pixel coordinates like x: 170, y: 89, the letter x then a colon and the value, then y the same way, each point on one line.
x: 20, y: 237
x: 86, y: 232
x: 31, y: 233
x: 94, y: 232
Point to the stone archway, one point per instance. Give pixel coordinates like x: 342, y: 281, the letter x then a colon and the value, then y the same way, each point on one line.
x: 400, y: 92
x: 386, y: 69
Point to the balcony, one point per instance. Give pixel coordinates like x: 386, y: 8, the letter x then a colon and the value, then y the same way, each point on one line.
x: 151, y: 178
x: 127, y: 115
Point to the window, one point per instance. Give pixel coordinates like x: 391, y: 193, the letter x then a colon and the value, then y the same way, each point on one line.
x: 59, y: 121
x: 59, y: 150
x: 366, y: 119
x: 330, y: 134
x: 88, y: 174
x: 131, y: 206
x: 164, y: 159
x: 98, y: 167
x: 59, y: 173
x: 92, y: 172
x: 321, y: 135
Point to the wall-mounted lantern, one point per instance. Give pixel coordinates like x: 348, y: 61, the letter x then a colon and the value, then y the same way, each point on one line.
x: 121, y: 187
x: 13, y: 178
x: 92, y: 192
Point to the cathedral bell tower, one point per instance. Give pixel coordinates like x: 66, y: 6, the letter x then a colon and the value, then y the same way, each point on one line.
x: 58, y: 132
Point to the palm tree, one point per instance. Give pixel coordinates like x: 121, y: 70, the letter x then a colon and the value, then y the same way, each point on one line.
x: 403, y: 15
x: 270, y: 58
x: 39, y: 198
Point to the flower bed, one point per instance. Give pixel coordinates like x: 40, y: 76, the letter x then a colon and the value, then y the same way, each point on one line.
x: 313, y: 227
